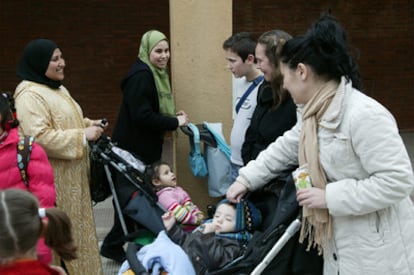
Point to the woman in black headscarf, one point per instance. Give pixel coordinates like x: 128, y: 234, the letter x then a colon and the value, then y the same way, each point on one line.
x: 47, y: 111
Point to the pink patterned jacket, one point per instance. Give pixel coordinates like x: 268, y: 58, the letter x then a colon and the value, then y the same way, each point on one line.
x: 40, y: 176
x: 176, y: 200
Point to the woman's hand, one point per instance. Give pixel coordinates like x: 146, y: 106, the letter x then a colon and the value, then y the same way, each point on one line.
x: 236, y: 191
x: 92, y: 133
x: 103, y: 123
x: 311, y: 197
x: 183, y: 118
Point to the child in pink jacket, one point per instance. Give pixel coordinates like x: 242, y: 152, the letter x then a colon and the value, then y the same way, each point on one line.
x: 40, y: 180
x: 22, y: 222
x: 172, y: 197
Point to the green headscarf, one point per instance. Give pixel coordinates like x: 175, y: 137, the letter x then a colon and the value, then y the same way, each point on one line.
x: 162, y: 81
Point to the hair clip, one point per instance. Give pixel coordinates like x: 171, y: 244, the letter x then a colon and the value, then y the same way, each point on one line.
x: 42, y: 213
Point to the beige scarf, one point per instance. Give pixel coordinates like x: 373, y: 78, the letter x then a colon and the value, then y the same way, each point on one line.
x: 316, y: 223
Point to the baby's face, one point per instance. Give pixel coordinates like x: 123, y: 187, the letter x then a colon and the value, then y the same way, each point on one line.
x: 224, y: 219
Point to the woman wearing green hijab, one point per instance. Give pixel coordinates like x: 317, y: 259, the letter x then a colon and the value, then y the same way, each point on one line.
x: 158, y: 66
x: 147, y: 112
x: 147, y: 109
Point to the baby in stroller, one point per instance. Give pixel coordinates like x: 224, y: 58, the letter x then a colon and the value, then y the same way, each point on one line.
x: 211, y: 246
x: 172, y: 197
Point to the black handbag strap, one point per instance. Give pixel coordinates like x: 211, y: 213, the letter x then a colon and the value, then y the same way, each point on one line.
x: 255, y: 82
x: 24, y: 149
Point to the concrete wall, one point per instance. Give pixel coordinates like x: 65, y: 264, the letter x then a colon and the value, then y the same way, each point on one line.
x: 200, y: 81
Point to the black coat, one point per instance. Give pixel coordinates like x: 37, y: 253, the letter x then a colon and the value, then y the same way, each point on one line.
x: 267, y: 124
x: 207, y: 252
x: 140, y: 127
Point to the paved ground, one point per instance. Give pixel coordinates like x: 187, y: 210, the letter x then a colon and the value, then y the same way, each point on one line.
x: 104, y: 213
x: 104, y: 218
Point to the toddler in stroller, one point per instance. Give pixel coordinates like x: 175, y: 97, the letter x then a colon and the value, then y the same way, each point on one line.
x: 211, y: 246
x: 137, y: 211
x: 172, y: 197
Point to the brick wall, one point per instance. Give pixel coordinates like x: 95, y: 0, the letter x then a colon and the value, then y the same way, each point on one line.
x: 100, y: 40
x: 381, y: 31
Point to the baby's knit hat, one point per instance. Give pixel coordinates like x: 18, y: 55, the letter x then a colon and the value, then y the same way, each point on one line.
x: 248, y: 217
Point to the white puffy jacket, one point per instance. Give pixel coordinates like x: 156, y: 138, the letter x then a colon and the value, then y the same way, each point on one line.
x: 370, y: 179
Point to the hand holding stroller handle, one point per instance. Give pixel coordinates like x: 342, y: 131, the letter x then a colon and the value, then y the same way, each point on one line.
x: 104, y: 121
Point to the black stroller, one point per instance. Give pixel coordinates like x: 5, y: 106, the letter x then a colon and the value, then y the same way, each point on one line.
x: 274, y: 248
x: 134, y: 198
x: 269, y: 251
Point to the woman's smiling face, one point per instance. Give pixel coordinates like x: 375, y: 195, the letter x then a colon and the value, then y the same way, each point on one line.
x: 55, y: 70
x: 160, y: 55
x: 263, y: 62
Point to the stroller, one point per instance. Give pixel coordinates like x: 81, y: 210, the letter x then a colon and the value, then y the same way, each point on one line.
x: 268, y: 252
x: 274, y: 248
x: 136, y: 199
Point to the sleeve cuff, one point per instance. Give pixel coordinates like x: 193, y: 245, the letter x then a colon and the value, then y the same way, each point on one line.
x: 244, y: 182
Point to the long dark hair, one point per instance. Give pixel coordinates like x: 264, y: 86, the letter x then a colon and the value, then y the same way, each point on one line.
x: 7, y: 111
x: 324, y: 47
x: 21, y: 227
x: 270, y: 40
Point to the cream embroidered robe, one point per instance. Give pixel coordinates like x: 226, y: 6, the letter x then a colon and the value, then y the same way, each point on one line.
x: 56, y: 121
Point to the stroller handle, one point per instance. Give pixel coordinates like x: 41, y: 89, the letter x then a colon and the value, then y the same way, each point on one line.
x: 290, y: 231
x: 205, y: 135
